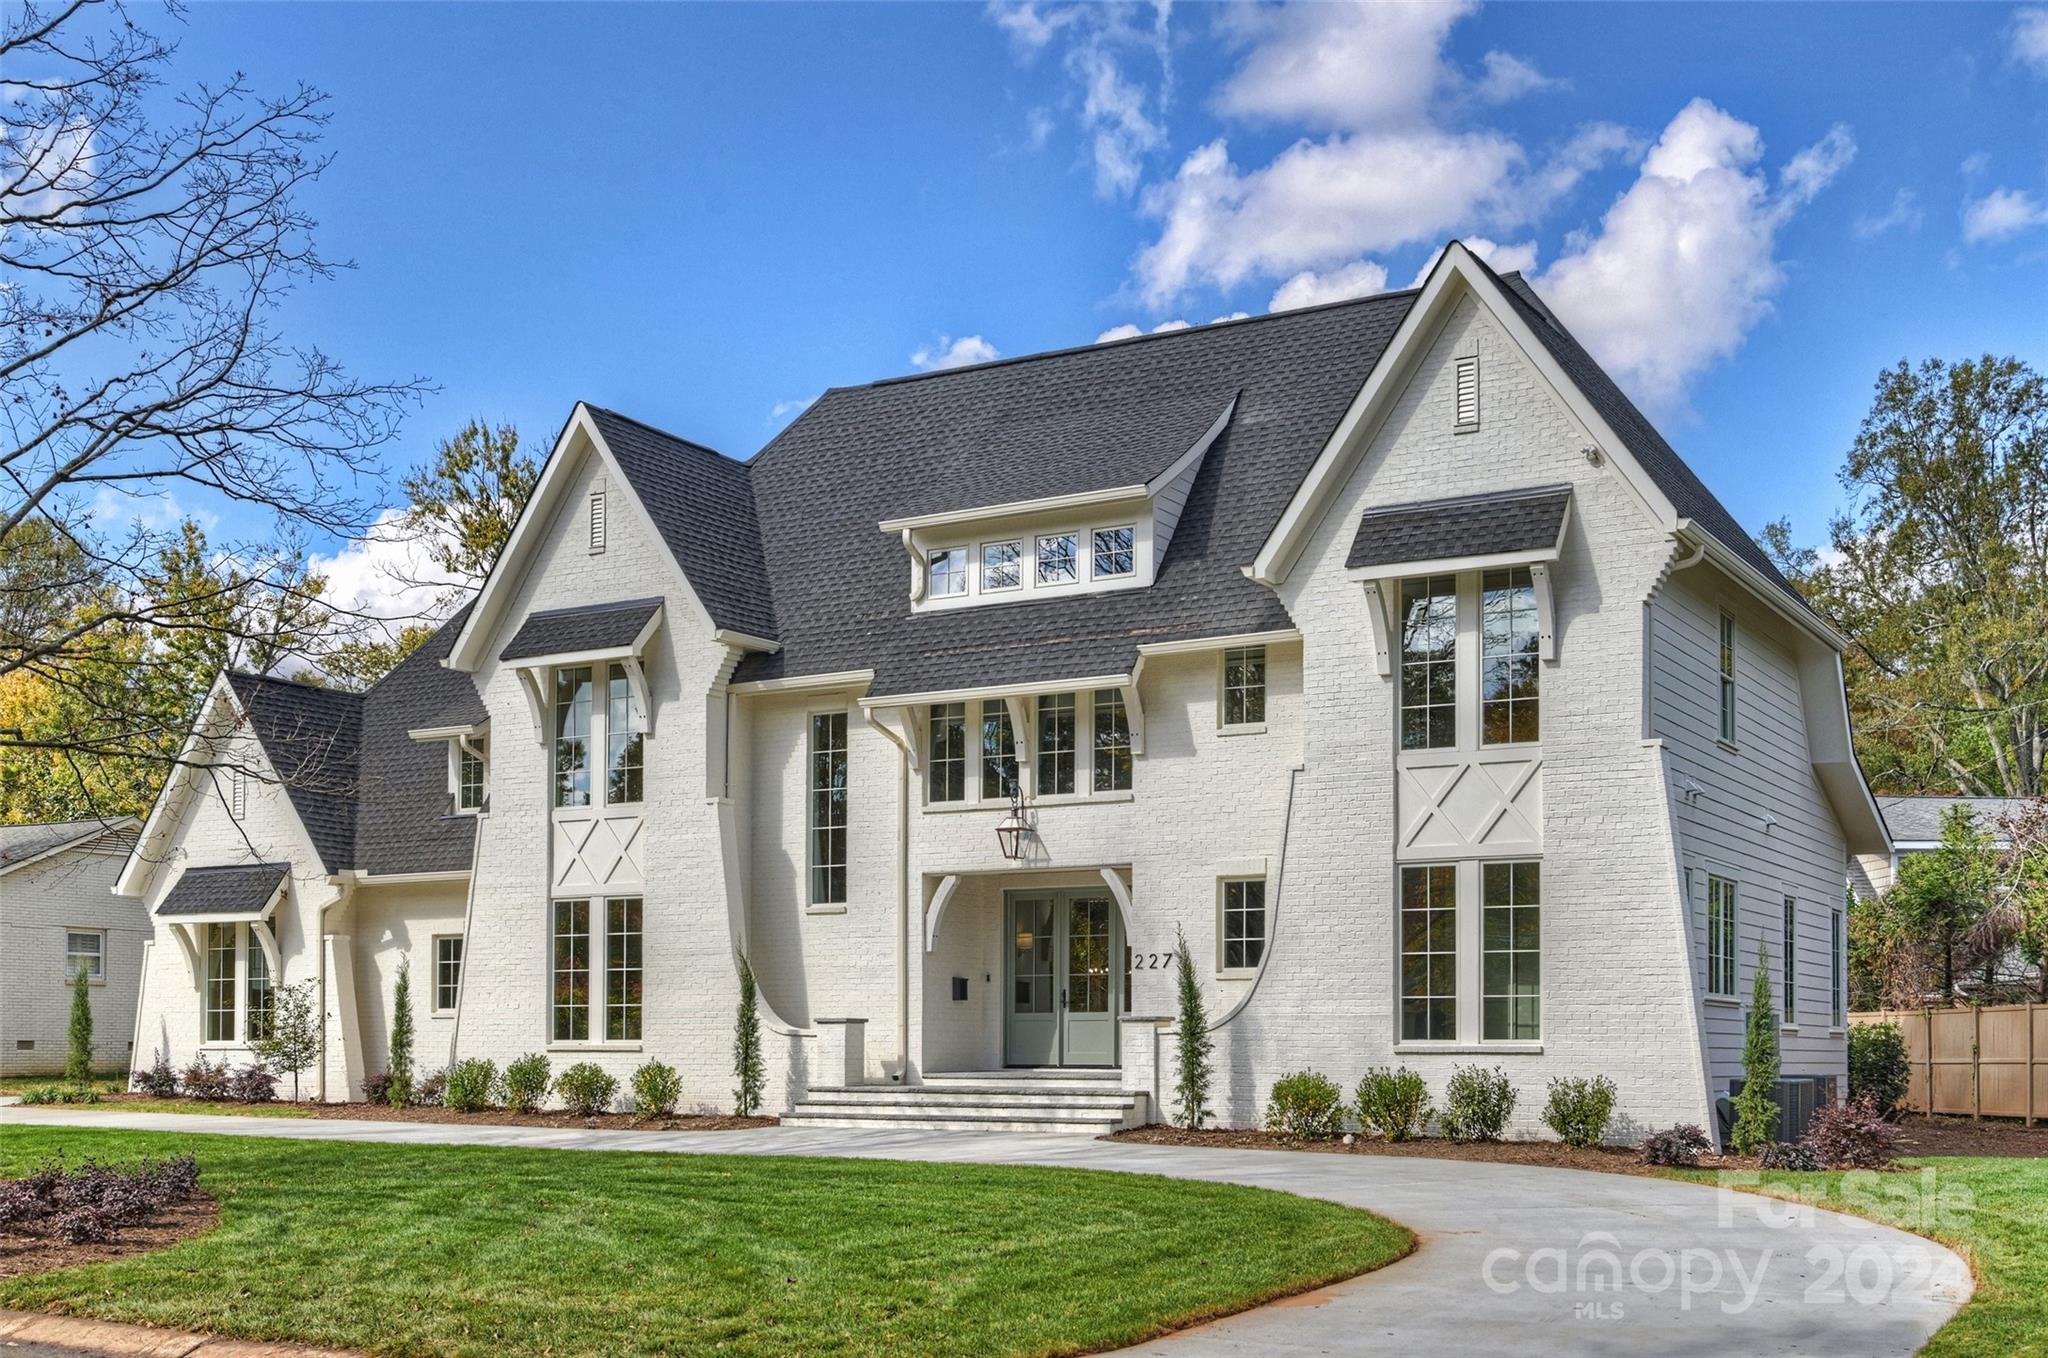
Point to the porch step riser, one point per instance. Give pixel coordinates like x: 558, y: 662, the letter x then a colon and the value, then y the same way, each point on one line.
x: 1055, y: 1074
x: 913, y: 1123
x: 1109, y: 1108
x: 967, y: 1093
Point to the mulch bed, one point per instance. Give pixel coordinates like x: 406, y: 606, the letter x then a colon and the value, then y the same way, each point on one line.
x: 1606, y: 1159
x: 22, y: 1254
x: 505, y: 1117
x: 1961, y: 1136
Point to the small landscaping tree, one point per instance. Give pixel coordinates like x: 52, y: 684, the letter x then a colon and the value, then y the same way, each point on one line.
x: 746, y: 1046
x: 1191, y: 1079
x: 78, y: 1064
x: 400, y: 1067
x: 294, y: 1041
x: 1756, y: 1107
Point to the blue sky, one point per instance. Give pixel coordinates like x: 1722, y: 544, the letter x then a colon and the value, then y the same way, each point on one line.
x: 704, y: 215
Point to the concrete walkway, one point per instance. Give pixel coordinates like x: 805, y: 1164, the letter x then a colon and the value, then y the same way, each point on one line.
x: 1513, y: 1259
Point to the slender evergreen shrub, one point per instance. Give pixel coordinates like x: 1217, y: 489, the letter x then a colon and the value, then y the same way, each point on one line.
x: 78, y: 1059
x: 1756, y: 1107
x: 399, y: 1091
x: 1191, y: 1058
x: 746, y: 1047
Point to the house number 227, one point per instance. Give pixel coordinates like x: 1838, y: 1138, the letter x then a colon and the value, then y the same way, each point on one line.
x: 1151, y: 961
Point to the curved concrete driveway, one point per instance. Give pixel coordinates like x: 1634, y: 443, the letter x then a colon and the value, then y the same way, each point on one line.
x: 1514, y: 1260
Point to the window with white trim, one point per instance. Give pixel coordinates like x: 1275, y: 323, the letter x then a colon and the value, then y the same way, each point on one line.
x: 218, y: 996
x: 1002, y: 566
x: 1511, y: 952
x: 259, y: 992
x: 238, y: 994
x: 572, y: 735
x: 1056, y: 745
x: 569, y: 1005
x: 998, y: 751
x: 1113, y: 552
x: 1059, y: 559
x: 828, y: 808
x: 622, y: 969
x: 1721, y: 909
x: 1244, y: 686
x: 1429, y: 663
x: 469, y: 779
x: 625, y: 743
x: 1112, y: 752
x: 1789, y: 951
x: 1243, y: 931
x: 586, y: 998
x: 1509, y: 672
x: 1727, y: 678
x: 946, y: 754
x: 85, y: 948
x: 946, y: 573
x: 1429, y: 953
x: 1838, y: 994
x: 447, y: 972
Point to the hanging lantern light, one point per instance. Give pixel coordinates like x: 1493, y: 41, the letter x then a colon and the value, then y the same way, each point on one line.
x: 1011, y: 829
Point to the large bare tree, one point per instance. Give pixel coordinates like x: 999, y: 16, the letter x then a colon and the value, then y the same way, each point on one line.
x: 148, y: 234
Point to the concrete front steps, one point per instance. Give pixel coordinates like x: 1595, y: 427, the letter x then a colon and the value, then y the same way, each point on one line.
x: 1079, y: 1102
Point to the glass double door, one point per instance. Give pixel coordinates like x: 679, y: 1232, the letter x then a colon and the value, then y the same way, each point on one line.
x: 1063, y: 982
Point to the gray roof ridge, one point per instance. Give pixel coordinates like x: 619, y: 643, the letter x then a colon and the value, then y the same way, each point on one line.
x: 669, y: 434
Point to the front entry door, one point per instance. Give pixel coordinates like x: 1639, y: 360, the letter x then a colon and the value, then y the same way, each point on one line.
x: 1064, y: 987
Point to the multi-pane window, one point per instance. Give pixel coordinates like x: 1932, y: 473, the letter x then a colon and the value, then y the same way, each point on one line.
x: 828, y: 808
x: 1429, y: 663
x: 1244, y: 923
x: 260, y: 993
x: 447, y: 973
x: 572, y: 735
x: 85, y: 949
x: 571, y: 1000
x: 1720, y: 936
x: 1244, y: 686
x: 469, y: 780
x: 1511, y: 951
x: 998, y: 750
x: 1837, y: 996
x: 1055, y: 744
x: 1429, y: 953
x: 220, y: 982
x: 1113, y: 552
x: 946, y: 573
x: 946, y: 760
x: 1002, y: 566
x: 1507, y: 657
x: 1791, y: 956
x: 625, y: 744
x: 1112, y: 742
x: 622, y: 969
x: 1059, y: 559
x: 1727, y: 669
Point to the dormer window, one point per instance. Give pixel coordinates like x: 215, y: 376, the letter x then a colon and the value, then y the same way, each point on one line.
x: 946, y: 573
x: 1115, y: 551
x: 469, y: 779
x: 1058, y: 559
x: 1002, y: 566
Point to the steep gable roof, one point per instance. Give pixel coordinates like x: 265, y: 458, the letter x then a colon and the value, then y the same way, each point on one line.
x: 310, y: 735
x: 21, y: 843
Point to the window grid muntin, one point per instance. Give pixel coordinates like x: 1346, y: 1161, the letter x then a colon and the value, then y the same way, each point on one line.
x: 1727, y: 674
x: 469, y: 781
x: 87, y: 948
x: 259, y: 990
x: 1244, y: 686
x: 571, y: 999
x: 998, y: 751
x: 573, y: 698
x: 1059, y: 559
x: 1721, y: 912
x: 828, y: 763
x: 1002, y: 566
x: 1509, y: 683
x: 946, y: 754
x: 1837, y: 992
x: 1114, y: 552
x: 447, y: 973
x: 1429, y: 663
x: 1056, y: 744
x: 1789, y: 950
x: 1429, y: 953
x: 1244, y: 923
x: 219, y: 1003
x: 625, y: 743
x: 945, y: 573
x: 1112, y: 723
x: 622, y: 977
x: 1511, y: 952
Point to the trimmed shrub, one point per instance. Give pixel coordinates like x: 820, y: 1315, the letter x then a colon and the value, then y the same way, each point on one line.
x: 1785, y: 1155
x: 1878, y: 1065
x: 1681, y: 1145
x: 1852, y: 1135
x: 1756, y: 1107
x: 203, y: 1080
x: 1578, y: 1109
x: 526, y: 1082
x: 1306, y: 1105
x: 1393, y: 1104
x: 1191, y: 1069
x: 398, y: 1093
x: 586, y: 1089
x: 88, y: 1204
x: 470, y: 1085
x: 377, y: 1088
x: 78, y: 1056
x: 431, y: 1090
x: 1478, y: 1103
x: 252, y: 1084
x: 656, y: 1088
x: 159, y: 1081
x: 747, y: 1068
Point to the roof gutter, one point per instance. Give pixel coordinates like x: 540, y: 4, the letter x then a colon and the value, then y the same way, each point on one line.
x: 1767, y: 591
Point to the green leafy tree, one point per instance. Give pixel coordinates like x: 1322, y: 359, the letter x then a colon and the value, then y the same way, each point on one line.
x: 1756, y: 1107
x: 1191, y: 1060
x: 2023, y: 872
x: 746, y: 1046
x: 1939, y: 575
x: 465, y: 504
x: 362, y: 661
x: 78, y: 1061
x: 400, y: 1089
x: 1944, y: 895
x: 293, y: 1043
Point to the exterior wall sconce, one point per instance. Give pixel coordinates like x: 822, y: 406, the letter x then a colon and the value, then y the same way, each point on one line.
x: 1010, y: 831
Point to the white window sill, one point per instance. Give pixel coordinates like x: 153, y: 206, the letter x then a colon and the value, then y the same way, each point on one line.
x: 1788, y: 1027
x: 1730, y: 746
x: 597, y: 1047
x: 825, y: 909
x: 1236, y: 973
x: 1080, y: 798
x: 1254, y: 728
x: 1468, y: 1048
x: 1726, y: 1001
x: 441, y: 1013
x: 994, y: 806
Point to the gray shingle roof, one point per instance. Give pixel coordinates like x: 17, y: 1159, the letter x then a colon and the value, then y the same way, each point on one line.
x: 240, y: 889
x: 1464, y: 525
x: 19, y: 843
x: 1917, y: 820
x: 311, y: 735
x: 589, y: 628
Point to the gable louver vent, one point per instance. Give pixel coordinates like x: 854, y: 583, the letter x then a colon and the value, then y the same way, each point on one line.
x: 1468, y: 392
x: 596, y: 522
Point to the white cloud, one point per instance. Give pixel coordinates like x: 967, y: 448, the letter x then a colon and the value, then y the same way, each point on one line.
x: 1030, y: 27
x: 1508, y: 77
x: 1904, y: 213
x: 1360, y: 278
x: 953, y: 353
x: 1113, y: 109
x: 1127, y: 331
x: 1121, y: 113
x: 118, y: 513
x: 2030, y: 39
x: 1503, y: 258
x: 1974, y: 164
x: 1340, y: 66
x: 783, y: 411
x: 2000, y: 215
x: 1683, y: 265
x: 1038, y: 126
x: 386, y: 574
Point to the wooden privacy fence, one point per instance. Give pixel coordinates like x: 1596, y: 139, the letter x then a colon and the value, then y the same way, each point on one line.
x: 1991, y: 1061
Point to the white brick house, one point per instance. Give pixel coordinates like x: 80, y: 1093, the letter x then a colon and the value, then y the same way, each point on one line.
x: 58, y: 913
x: 1382, y: 650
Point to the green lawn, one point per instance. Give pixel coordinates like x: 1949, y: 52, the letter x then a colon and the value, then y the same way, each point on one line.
x: 106, y: 1082
x: 2001, y: 1228
x: 475, y: 1250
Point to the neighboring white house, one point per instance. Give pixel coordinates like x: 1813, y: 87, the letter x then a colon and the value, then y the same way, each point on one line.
x: 58, y: 912
x: 1381, y: 650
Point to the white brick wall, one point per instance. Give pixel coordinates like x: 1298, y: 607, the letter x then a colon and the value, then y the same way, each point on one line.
x: 39, y: 905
